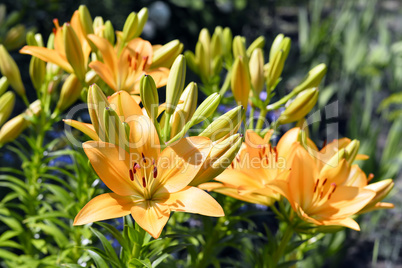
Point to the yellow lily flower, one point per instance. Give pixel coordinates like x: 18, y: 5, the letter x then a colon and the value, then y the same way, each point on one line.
x: 147, y: 183
x: 123, y: 70
x: 125, y: 106
x: 256, y: 164
x: 58, y: 54
x: 316, y: 196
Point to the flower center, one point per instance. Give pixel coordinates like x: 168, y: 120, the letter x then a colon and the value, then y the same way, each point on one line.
x: 144, y: 176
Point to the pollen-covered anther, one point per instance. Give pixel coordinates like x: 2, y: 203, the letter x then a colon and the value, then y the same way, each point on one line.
x: 155, y: 172
x: 131, y: 174
x: 143, y: 157
x: 144, y: 183
x: 144, y: 62
x: 316, y: 185
x: 331, y: 190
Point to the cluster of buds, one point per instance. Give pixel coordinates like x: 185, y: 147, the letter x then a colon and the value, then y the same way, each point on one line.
x: 12, y: 34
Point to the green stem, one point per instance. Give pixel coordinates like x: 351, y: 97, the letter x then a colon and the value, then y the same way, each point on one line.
x: 251, y: 124
x: 138, y: 244
x: 166, y: 129
x: 280, y: 252
x: 226, y: 84
x: 261, y: 120
x: 281, y: 102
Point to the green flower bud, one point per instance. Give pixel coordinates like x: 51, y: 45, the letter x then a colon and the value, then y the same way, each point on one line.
x: 37, y: 72
x: 86, y: 20
x: 149, y: 96
x: 258, y: 43
x: 275, y: 47
x: 165, y: 55
x: 70, y: 92
x: 239, y: 47
x: 191, y: 61
x: 30, y: 38
x: 74, y: 52
x: 313, y: 78
x: 12, y: 129
x: 7, y: 105
x: 256, y: 67
x: 351, y: 150
x: 115, y: 130
x: 9, y: 69
x: 240, y: 82
x: 98, y: 26
x: 216, y: 43
x: 15, y: 37
x: 109, y: 32
x: 142, y: 19
x: 226, y: 124
x: 97, y: 102
x: 175, y: 83
x: 300, y: 107
x: 275, y: 69
x: 206, y: 109
x: 130, y: 27
x: 227, y: 41
x: 3, y: 85
x: 221, y: 156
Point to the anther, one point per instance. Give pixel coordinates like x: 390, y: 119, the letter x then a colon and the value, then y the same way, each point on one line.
x: 333, y: 186
x: 143, y: 182
x: 131, y: 175
x: 316, y: 185
x: 143, y: 158
x: 155, y: 172
x: 325, y: 181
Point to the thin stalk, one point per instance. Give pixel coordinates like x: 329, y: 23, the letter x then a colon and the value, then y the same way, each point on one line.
x: 261, y: 120
x: 280, y: 252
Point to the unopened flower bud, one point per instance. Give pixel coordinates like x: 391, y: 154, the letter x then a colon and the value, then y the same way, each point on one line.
x: 206, y: 109
x: 227, y: 41
x: 74, y: 52
x: 97, y: 102
x: 37, y: 72
x: 149, y: 96
x: 275, y: 47
x: 15, y: 37
x: 142, y: 19
x: 9, y: 69
x: 382, y: 189
x: 191, y: 62
x: 175, y: 83
x: 12, y: 129
x: 275, y: 69
x: 226, y: 124
x: 256, y: 67
x: 313, y: 78
x: 258, y: 43
x: 130, y: 27
x: 239, y: 47
x: 109, y: 32
x: 300, y: 107
x: 3, y: 84
x: 86, y: 20
x: 221, y: 156
x: 7, y: 102
x: 216, y: 43
x: 165, y: 55
x: 240, y: 82
x: 351, y: 150
x: 70, y: 92
x: 115, y: 130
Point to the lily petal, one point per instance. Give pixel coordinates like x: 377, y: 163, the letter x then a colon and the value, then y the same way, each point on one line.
x: 151, y: 216
x: 104, y: 207
x: 124, y: 105
x: 179, y: 163
x: 85, y: 128
x: 189, y: 200
x: 48, y: 55
x: 112, y: 164
x: 105, y: 73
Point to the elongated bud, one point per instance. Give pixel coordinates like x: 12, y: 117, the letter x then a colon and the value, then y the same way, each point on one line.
x: 165, y: 55
x: 275, y: 69
x: 9, y: 69
x: 206, y: 109
x: 130, y: 27
x: 239, y: 47
x: 70, y: 92
x: 258, y: 43
x: 300, y: 107
x: 109, y: 32
x: 175, y: 83
x: 74, y: 52
x: 382, y: 189
x: 275, y: 47
x: 86, y: 20
x: 7, y: 102
x: 115, y: 130
x: 191, y: 62
x: 15, y: 37
x: 205, y: 39
x: 39, y: 40
x: 313, y: 78
x: 256, y: 67
x: 37, y: 72
x: 227, y: 41
x: 216, y: 43
x: 226, y: 124
x: 98, y: 26
x: 12, y: 129
x: 184, y: 110
x: 240, y: 82
x: 351, y: 150
x: 97, y: 102
x: 142, y: 19
x: 221, y: 156
x: 3, y: 84
x: 30, y: 38
x: 149, y: 96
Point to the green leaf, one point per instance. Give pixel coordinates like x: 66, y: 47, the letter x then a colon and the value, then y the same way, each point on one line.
x: 99, y: 261
x: 146, y: 263
x: 111, y: 229
x: 110, y: 252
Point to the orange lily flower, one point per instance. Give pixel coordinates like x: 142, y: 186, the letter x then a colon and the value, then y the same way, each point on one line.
x: 125, y: 106
x: 256, y: 164
x: 123, y: 70
x: 147, y: 183
x: 58, y: 54
x: 318, y: 196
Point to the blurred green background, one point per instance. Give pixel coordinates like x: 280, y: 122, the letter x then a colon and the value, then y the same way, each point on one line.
x: 361, y: 43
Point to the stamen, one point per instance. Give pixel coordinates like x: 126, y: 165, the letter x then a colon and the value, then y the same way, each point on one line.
x: 276, y: 154
x: 129, y: 60
x: 232, y: 165
x: 316, y: 185
x: 370, y: 177
x: 263, y: 149
x: 143, y: 182
x: 155, y: 172
x: 144, y: 63
x: 333, y: 187
x: 325, y: 180
x: 131, y: 174
x: 259, y: 153
x: 143, y: 158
